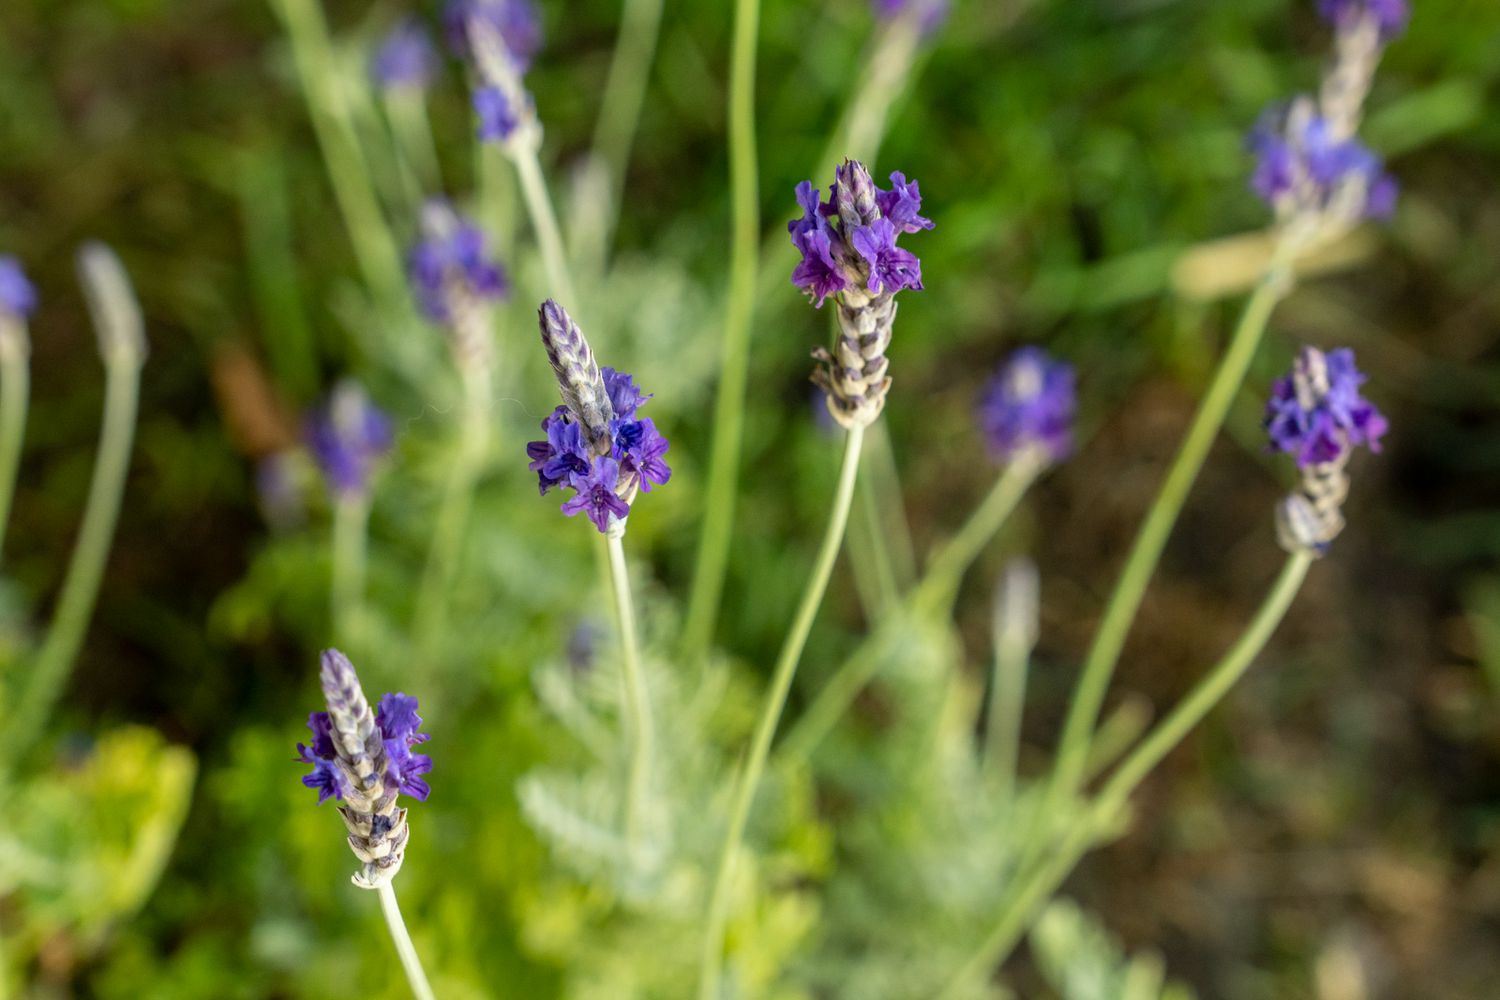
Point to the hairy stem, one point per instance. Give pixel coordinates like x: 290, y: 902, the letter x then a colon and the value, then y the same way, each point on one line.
x: 1038, y: 884
x: 544, y: 222
x: 734, y: 362
x: 765, y: 727
x: 415, y: 975
x: 639, y: 733
x: 938, y: 585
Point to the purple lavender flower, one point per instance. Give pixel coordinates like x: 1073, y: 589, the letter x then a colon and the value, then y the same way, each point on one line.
x: 452, y: 261
x: 1390, y: 16
x: 1316, y: 412
x: 17, y: 295
x: 850, y: 240
x: 364, y: 760
x: 516, y: 21
x: 497, y: 117
x: 1302, y: 166
x: 405, y: 59
x: 605, y: 465
x: 595, y: 494
x: 348, y: 437
x: 1028, y: 407
x: 930, y: 14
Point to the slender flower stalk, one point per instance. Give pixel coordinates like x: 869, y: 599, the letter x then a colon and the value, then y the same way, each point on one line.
x: 624, y: 91
x: 1014, y: 634
x: 501, y: 47
x: 1037, y: 884
x: 716, y: 535
x: 122, y: 345
x: 365, y: 760
x: 17, y: 302
x: 712, y: 958
x: 639, y: 727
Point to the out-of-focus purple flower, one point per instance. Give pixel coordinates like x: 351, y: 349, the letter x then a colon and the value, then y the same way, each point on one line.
x: 348, y: 437
x: 1301, y: 166
x: 1390, y: 16
x: 850, y: 240
x: 279, y: 489
x: 405, y: 59
x: 595, y: 495
x: 398, y: 722
x: 453, y: 259
x: 497, y: 117
x: 891, y: 268
x: 516, y: 21
x: 929, y: 14
x: 17, y: 294
x: 607, y: 466
x: 1028, y: 407
x: 1316, y: 412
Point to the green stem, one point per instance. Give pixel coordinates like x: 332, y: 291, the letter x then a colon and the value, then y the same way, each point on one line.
x: 869, y: 557
x: 1040, y: 883
x: 415, y: 976
x: 937, y: 586
x: 895, y: 538
x: 624, y: 91
x: 639, y: 729
x: 765, y: 727
x: 1144, y: 555
x: 15, y: 378
x: 453, y: 517
x: 1014, y: 635
x: 544, y: 222
x: 80, y: 588
x: 734, y: 363
x: 353, y: 187
x: 351, y: 514
x: 406, y: 109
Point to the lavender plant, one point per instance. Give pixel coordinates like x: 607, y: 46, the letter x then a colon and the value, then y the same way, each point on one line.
x: 364, y: 759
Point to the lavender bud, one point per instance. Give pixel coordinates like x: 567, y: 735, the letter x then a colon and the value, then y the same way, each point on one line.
x: 854, y: 194
x: 348, y: 437
x: 1306, y: 173
x: 365, y: 760
x: 405, y: 59
x: 112, y: 304
x: 1026, y: 412
x: 578, y: 378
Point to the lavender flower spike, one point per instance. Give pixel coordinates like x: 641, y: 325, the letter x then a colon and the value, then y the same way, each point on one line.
x: 1317, y: 414
x: 595, y: 444
x: 849, y: 252
x: 348, y: 437
x: 405, y: 59
x: 500, y: 36
x: 456, y: 281
x: 1026, y: 412
x: 365, y: 760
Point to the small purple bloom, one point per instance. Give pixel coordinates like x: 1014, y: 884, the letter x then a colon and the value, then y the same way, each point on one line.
x: 17, y: 295
x: 817, y: 273
x: 891, y: 268
x: 453, y: 259
x: 902, y: 204
x: 639, y: 446
x: 1301, y: 164
x: 405, y: 58
x: 398, y: 722
x: 348, y: 436
x: 596, y: 496
x: 1390, y: 16
x: 1029, y: 406
x: 563, y: 455
x: 930, y: 14
x: 1316, y: 412
x: 325, y: 776
x: 497, y: 117
x: 624, y: 395
x: 516, y: 21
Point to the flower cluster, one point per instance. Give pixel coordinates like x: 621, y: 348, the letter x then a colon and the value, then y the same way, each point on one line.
x: 17, y: 295
x: 1316, y: 413
x: 1389, y: 17
x: 1027, y: 409
x: 1304, y: 167
x: 348, y: 437
x: 405, y: 59
x: 595, y: 443
x: 502, y: 37
x: 849, y: 241
x: 452, y: 266
x: 515, y: 22
x: 366, y: 761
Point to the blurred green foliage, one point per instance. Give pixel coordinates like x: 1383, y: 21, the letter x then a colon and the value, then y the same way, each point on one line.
x: 1071, y: 153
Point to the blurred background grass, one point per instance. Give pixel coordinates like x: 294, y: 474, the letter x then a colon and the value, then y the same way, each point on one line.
x: 1344, y: 804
